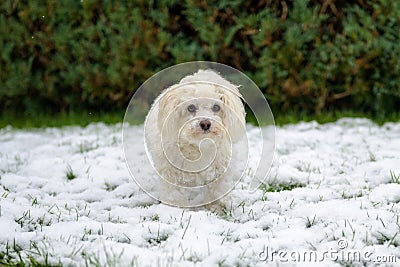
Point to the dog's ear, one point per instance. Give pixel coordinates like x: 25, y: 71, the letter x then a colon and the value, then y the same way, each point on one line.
x: 234, y: 114
x: 166, y: 105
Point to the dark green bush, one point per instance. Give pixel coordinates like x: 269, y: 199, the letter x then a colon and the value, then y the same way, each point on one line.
x: 306, y: 56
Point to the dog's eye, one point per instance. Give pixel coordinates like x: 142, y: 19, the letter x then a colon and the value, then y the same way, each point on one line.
x: 216, y: 108
x: 191, y: 108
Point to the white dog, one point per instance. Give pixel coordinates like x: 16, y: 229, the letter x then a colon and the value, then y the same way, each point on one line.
x: 190, y: 134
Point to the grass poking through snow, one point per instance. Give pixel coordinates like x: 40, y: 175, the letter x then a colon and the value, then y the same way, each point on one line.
x: 394, y: 178
x: 70, y: 173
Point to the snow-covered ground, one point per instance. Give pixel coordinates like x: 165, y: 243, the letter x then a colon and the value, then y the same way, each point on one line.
x: 332, y: 198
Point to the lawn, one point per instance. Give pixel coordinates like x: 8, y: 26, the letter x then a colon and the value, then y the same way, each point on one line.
x: 332, y: 197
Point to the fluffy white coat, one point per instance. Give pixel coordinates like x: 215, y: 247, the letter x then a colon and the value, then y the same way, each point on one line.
x: 190, y: 135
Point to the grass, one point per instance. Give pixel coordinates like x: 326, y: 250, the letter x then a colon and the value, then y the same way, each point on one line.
x: 327, y: 117
x: 12, y: 256
x: 310, y: 222
x: 70, y: 173
x: 394, y: 178
x: 15, y: 256
x: 83, y: 118
x: 278, y: 187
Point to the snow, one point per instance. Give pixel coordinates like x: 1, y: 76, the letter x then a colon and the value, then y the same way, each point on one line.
x: 329, y: 183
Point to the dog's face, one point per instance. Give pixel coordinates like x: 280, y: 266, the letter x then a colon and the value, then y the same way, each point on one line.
x: 194, y: 112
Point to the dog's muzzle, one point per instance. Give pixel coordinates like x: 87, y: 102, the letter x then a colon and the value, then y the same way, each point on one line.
x: 205, y: 125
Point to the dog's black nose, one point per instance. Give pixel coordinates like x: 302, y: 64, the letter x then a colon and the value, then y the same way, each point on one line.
x: 205, y: 125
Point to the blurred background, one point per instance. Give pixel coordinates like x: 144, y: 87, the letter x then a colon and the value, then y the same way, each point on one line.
x: 83, y: 60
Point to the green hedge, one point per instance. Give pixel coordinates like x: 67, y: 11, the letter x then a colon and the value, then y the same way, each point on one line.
x: 306, y: 56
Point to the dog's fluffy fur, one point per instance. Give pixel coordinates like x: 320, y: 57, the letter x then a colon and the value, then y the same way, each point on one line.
x: 190, y: 132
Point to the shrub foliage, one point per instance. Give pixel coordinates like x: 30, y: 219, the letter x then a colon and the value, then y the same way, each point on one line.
x: 306, y: 56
